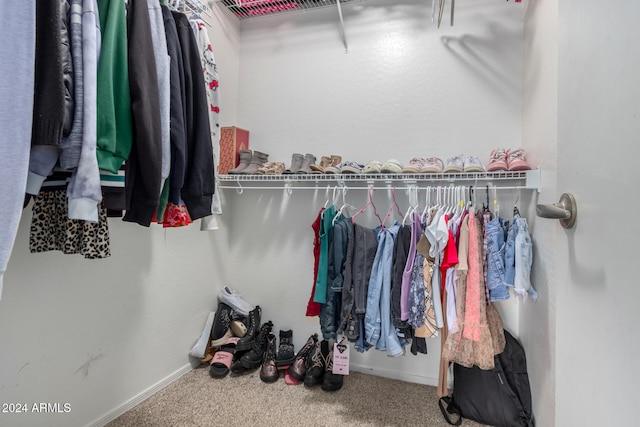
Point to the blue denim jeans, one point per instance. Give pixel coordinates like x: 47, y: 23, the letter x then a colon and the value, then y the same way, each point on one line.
x: 510, y: 253
x: 524, y: 259
x: 379, y: 329
x: 495, y: 234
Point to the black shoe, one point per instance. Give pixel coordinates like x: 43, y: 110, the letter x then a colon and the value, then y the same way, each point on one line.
x: 318, y: 364
x: 269, y: 372
x: 220, y: 331
x: 331, y: 381
x: 299, y: 366
x: 254, y: 357
x: 286, y: 354
x: 253, y: 326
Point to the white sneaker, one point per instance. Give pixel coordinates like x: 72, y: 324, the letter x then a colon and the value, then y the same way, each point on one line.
x: 454, y: 164
x: 473, y: 164
x: 235, y: 301
x: 200, y: 347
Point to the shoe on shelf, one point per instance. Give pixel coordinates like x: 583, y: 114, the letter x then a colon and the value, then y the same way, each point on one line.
x: 223, y: 358
x: 254, y: 357
x: 269, y: 372
x: 298, y: 368
x: 415, y: 165
x: 333, y: 168
x: 350, y: 167
x: 201, y: 346
x: 331, y: 381
x: 372, y: 167
x: 286, y: 354
x: 245, y: 159
x: 432, y: 165
x: 497, y: 160
x: 296, y: 164
x: 454, y: 164
x: 221, y: 331
x: 317, y: 364
x: 472, y: 164
x: 319, y: 168
x: 257, y: 160
x: 235, y: 301
x: 306, y: 164
x: 391, y: 166
x: 253, y: 327
x: 517, y: 161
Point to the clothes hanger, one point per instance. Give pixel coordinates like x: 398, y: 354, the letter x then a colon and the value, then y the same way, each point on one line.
x: 343, y: 207
x: 413, y: 206
x: 394, y: 204
x: 496, y: 206
x: 333, y: 202
x: 364, y: 208
x: 515, y: 205
x: 427, y: 205
x: 326, y: 197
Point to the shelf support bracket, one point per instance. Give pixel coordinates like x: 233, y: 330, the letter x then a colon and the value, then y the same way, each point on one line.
x: 344, y: 35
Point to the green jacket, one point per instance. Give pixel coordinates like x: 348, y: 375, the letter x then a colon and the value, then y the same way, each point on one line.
x: 114, y: 125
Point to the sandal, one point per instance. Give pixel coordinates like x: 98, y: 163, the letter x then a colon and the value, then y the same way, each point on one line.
x: 391, y: 166
x: 372, y: 167
x: 351, y: 167
x: 222, y: 359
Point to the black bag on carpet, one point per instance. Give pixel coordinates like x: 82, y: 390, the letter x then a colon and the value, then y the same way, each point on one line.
x: 500, y: 397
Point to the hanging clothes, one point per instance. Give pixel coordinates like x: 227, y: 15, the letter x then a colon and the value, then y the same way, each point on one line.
x: 18, y: 42
x: 313, y: 308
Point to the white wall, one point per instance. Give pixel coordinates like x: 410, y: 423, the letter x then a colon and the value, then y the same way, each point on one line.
x: 540, y: 138
x: 404, y: 89
x: 97, y: 333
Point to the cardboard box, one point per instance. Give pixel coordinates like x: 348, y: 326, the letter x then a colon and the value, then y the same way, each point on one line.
x: 232, y: 140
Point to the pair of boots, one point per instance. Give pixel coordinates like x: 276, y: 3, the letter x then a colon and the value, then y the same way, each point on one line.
x: 274, y: 361
x: 300, y: 164
x: 250, y: 162
x: 320, y: 367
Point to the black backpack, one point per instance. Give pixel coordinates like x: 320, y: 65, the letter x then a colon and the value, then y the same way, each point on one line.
x: 500, y: 397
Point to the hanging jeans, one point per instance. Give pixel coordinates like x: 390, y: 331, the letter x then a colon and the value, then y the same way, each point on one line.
x: 379, y: 329
x: 524, y: 258
x: 494, y: 230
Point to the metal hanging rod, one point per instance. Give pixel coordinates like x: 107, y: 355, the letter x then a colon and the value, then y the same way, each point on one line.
x: 195, y: 8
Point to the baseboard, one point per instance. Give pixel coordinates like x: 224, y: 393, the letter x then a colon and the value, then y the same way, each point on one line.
x: 112, y: 415
x: 395, y: 375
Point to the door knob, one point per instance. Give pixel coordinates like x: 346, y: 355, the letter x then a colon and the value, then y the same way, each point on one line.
x: 565, y: 210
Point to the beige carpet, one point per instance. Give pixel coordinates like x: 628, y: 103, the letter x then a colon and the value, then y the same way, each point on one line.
x: 196, y: 399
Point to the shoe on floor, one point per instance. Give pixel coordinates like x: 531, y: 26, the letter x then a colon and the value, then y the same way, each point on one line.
x: 235, y: 301
x: 517, y: 160
x: 199, y: 349
x: 298, y: 368
x: 497, y: 160
x: 254, y: 357
x: 253, y: 327
x: 472, y: 164
x: 223, y: 358
x: 269, y: 372
x: 221, y: 331
x: 331, y: 381
x: 286, y: 354
x: 317, y: 365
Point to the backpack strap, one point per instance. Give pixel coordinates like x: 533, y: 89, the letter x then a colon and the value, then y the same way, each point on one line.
x: 451, y: 408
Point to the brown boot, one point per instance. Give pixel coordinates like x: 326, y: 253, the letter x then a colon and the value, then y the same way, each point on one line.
x: 245, y: 159
x: 319, y: 168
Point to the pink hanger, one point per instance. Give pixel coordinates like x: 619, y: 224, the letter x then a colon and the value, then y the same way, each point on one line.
x: 394, y: 204
x: 364, y: 208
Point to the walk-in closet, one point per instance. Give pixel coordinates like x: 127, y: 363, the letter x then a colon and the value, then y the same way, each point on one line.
x: 385, y: 114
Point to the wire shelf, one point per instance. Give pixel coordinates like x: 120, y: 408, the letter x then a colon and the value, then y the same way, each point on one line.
x: 529, y: 180
x: 246, y: 9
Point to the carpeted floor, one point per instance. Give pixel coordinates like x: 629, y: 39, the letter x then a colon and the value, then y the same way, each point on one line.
x: 365, y: 400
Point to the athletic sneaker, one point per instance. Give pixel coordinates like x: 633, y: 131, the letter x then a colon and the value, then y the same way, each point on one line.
x: 517, y: 160
x: 235, y: 301
x: 454, y: 164
x: 497, y: 160
x: 472, y: 164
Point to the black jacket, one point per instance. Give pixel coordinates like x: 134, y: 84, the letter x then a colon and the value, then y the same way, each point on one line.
x: 199, y: 185
x: 178, y: 132
x: 143, y: 168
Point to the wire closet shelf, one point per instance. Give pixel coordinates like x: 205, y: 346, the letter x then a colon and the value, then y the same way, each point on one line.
x: 194, y: 8
x: 246, y: 9
x: 523, y: 180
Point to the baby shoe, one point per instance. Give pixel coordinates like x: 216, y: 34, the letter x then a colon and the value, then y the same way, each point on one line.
x: 517, y: 160
x: 334, y: 166
x: 319, y: 168
x: 497, y: 160
x: 351, y: 167
x: 432, y: 165
x: 391, y: 166
x: 414, y: 165
x: 473, y: 164
x: 372, y: 167
x: 454, y: 164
